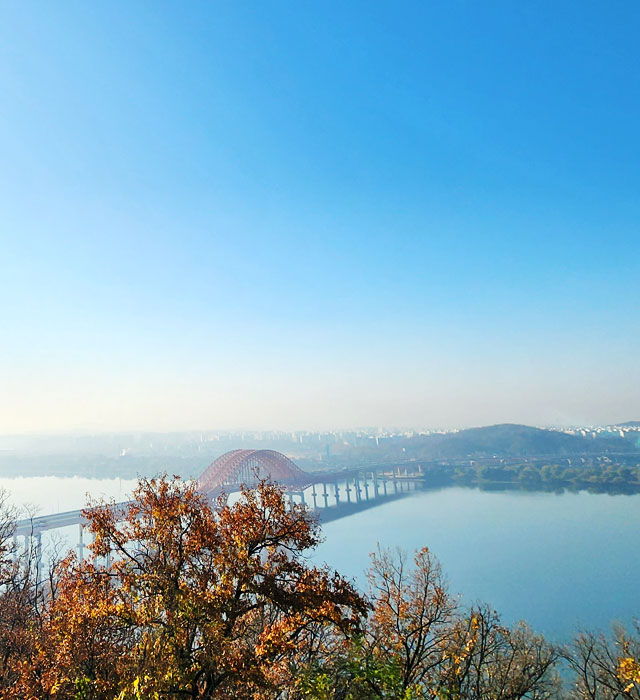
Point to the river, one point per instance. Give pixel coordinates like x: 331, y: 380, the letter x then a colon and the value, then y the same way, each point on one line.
x: 561, y: 561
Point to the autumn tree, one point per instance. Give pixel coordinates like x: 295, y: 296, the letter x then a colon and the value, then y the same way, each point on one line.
x: 419, y: 643
x: 396, y: 656
x: 440, y: 650
x: 606, y: 668
x: 182, y: 600
x: 484, y: 659
x: 412, y: 618
x: 12, y: 596
x: 23, y: 596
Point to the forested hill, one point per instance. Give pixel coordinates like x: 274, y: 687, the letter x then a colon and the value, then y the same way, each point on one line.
x: 505, y: 440
x: 511, y: 440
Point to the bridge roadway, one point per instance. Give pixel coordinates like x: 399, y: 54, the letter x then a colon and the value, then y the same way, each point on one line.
x: 34, y: 527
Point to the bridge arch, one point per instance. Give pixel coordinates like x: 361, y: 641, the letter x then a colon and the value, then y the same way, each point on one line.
x: 243, y: 466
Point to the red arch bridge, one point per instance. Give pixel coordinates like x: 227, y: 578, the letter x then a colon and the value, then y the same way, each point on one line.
x: 333, y: 494
x: 232, y: 469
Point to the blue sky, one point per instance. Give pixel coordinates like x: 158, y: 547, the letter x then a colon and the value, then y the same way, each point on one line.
x: 300, y: 215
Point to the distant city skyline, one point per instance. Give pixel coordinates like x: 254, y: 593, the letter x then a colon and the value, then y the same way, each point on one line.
x: 290, y: 217
x: 302, y: 435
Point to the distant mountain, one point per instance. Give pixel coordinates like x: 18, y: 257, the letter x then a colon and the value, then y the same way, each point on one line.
x: 631, y: 424
x: 510, y: 440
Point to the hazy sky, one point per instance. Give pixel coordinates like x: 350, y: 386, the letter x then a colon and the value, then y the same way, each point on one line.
x: 300, y: 215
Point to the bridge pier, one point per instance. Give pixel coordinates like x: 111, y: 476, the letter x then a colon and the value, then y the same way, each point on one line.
x: 315, y: 500
x: 33, y: 551
x: 80, y: 542
x: 291, y: 497
x: 38, y: 554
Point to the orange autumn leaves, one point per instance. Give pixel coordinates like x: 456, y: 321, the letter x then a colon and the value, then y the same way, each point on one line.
x: 182, y: 600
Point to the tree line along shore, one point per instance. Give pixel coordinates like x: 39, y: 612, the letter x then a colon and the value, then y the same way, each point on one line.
x: 607, y: 475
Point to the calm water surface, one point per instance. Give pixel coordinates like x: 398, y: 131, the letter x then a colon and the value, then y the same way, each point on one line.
x: 560, y: 561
